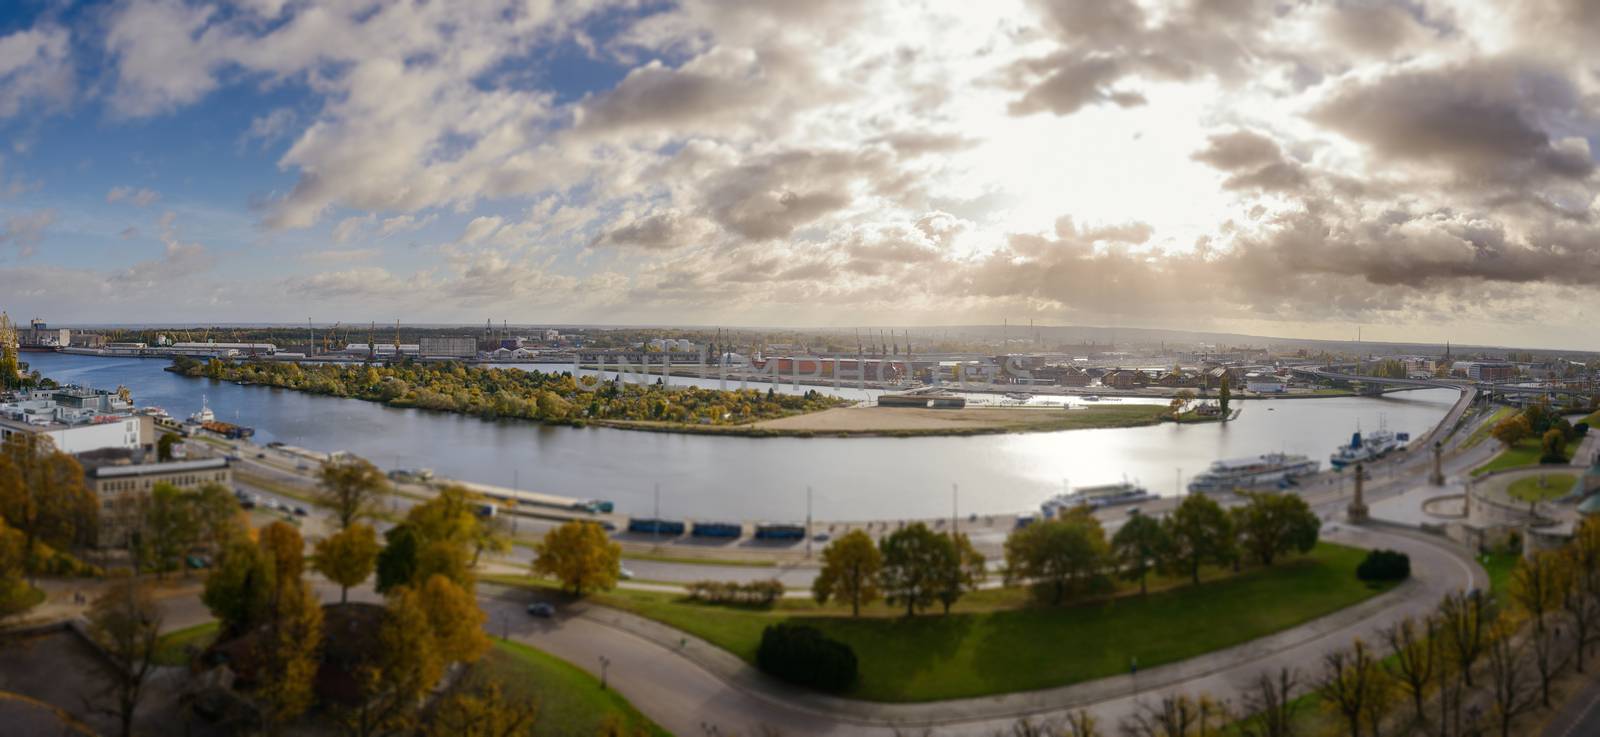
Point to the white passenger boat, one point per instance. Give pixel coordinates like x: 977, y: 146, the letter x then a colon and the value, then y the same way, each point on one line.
x: 1242, y: 473
x: 1096, y: 497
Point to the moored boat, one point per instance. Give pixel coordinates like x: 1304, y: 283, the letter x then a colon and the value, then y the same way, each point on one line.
x: 1096, y: 497
x: 1229, y: 474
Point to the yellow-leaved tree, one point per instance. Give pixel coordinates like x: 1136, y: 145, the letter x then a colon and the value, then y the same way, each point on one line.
x: 580, y: 555
x: 347, y: 557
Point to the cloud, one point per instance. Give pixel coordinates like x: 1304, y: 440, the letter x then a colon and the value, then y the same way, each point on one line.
x: 178, y: 260
x: 140, y: 197
x: 480, y: 229
x: 365, y: 282
x: 341, y: 255
x: 26, y: 230
x: 36, y: 70
x: 270, y: 128
x: 1488, y: 120
x: 664, y: 230
x: 351, y: 228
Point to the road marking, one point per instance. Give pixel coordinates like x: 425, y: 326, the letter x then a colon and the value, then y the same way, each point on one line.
x: 1582, y: 715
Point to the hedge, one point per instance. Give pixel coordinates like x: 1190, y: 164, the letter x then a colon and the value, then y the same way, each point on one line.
x: 804, y: 656
x: 1384, y: 565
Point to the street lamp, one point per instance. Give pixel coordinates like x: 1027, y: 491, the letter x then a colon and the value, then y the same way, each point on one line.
x: 605, y: 663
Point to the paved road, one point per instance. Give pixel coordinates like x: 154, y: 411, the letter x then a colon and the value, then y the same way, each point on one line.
x: 1580, y: 716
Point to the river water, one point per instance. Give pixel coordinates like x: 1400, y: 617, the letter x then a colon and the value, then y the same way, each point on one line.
x: 710, y: 477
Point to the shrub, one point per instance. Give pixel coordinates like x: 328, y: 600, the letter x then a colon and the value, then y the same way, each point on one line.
x: 757, y: 593
x: 1384, y: 565
x: 803, y: 655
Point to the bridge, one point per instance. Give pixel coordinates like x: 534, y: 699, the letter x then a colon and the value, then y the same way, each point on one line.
x: 1333, y: 374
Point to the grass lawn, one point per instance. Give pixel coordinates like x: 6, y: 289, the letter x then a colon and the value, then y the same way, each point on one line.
x: 1524, y: 453
x: 1500, y: 565
x: 1556, y: 485
x: 171, y: 649
x: 570, y: 700
x: 997, y: 642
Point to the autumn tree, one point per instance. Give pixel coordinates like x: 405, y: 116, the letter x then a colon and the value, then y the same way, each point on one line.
x: 915, y: 562
x: 43, y: 495
x: 217, y: 515
x: 289, y: 652
x: 1512, y: 430
x: 1271, y: 704
x: 580, y: 555
x: 1581, y: 598
x: 1061, y: 556
x: 1537, y: 583
x: 1201, y: 532
x: 1554, y: 446
x: 1465, y: 618
x: 436, y: 537
x: 1177, y: 715
x: 1414, y: 657
x: 348, y: 557
x: 16, y: 596
x: 1224, y: 393
x: 125, y: 622
x: 455, y: 620
x: 1271, y: 525
x: 1511, y: 691
x: 969, y: 571
x: 478, y: 707
x: 850, y: 566
x: 1137, y: 546
x: 352, y: 489
x: 1347, y: 684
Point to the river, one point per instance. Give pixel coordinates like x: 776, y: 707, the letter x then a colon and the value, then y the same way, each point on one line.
x: 711, y: 477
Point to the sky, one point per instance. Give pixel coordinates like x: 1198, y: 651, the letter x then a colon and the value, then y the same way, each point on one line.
x: 1420, y: 170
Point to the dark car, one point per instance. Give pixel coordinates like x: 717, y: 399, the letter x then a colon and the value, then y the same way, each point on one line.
x: 300, y: 512
x: 541, y: 609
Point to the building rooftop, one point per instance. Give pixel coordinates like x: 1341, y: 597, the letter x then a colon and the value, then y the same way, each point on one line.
x: 147, y: 469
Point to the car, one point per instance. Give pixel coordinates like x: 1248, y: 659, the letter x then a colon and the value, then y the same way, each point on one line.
x: 261, y: 455
x: 624, y: 574
x: 303, y: 467
x: 821, y: 537
x: 271, y: 504
x: 541, y: 609
x: 247, y: 503
x: 300, y: 512
x: 275, y: 444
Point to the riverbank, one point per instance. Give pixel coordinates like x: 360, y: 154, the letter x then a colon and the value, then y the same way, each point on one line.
x: 915, y: 421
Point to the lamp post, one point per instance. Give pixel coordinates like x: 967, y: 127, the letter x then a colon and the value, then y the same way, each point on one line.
x: 605, y: 663
x: 808, y: 522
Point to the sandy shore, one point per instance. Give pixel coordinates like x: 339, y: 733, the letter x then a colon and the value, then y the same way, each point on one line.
x: 917, y: 420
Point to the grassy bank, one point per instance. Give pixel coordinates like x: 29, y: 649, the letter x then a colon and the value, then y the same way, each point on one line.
x: 1484, y: 428
x: 571, y: 701
x: 1525, y: 453
x: 1554, y: 486
x: 172, y: 648
x: 999, y: 642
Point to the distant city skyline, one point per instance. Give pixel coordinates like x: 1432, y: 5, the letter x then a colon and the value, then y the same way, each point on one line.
x: 1423, y: 170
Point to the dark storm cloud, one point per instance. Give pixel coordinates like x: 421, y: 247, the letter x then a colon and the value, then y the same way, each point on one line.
x: 1487, y: 120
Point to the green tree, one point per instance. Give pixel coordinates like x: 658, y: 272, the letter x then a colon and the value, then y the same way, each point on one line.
x: 164, y: 446
x: 217, y: 515
x: 1271, y: 525
x: 168, y: 529
x: 850, y: 566
x: 580, y: 555
x: 915, y: 561
x: 1224, y: 393
x: 970, y: 571
x: 126, y: 624
x: 1062, y: 556
x: 1140, y: 543
x: 352, y: 489
x: 1201, y: 532
x: 16, y: 596
x: 239, y: 589
x: 397, y: 562
x: 348, y: 557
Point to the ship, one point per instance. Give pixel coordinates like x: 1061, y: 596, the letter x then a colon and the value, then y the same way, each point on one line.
x: 1019, y: 396
x: 1229, y: 474
x: 1364, y: 449
x: 204, y: 415
x: 1096, y: 497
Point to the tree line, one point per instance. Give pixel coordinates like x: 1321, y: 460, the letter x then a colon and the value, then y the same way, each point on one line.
x: 494, y: 393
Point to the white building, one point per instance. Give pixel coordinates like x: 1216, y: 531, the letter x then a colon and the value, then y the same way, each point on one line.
x: 77, y: 420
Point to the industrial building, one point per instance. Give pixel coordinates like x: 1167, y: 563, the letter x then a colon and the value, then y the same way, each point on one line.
x: 40, y: 335
x: 452, y: 346
x: 122, y: 487
x: 77, y: 420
